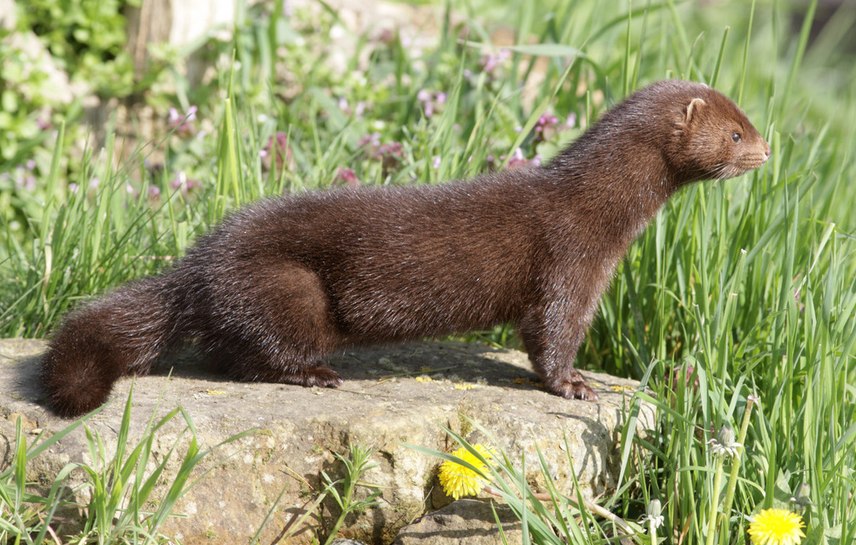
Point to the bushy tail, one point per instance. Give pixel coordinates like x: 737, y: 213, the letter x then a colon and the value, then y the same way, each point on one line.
x: 122, y: 333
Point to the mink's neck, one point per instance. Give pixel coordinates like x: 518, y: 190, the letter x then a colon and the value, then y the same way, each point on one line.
x: 616, y: 188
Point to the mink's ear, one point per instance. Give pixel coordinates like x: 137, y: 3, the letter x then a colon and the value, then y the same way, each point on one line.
x: 692, y: 110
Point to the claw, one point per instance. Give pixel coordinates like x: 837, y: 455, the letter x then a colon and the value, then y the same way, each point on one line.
x: 575, y: 387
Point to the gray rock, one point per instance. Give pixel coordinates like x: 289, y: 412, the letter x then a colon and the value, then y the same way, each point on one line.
x: 468, y: 522
x: 404, y: 394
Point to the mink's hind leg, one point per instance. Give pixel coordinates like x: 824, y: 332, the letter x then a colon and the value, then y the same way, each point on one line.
x: 277, y: 326
x: 552, y: 338
x: 247, y: 363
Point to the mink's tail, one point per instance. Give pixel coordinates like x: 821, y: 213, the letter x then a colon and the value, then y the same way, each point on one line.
x: 120, y: 334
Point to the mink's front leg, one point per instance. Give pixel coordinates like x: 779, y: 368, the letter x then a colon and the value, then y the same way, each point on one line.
x: 552, y: 334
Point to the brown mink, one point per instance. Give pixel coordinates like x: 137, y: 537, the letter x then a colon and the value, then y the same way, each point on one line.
x: 285, y: 282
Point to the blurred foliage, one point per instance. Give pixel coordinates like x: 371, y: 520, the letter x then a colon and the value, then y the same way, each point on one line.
x: 86, y: 38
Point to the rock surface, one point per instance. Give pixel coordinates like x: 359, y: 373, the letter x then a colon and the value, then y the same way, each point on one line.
x: 393, y: 395
x: 468, y: 522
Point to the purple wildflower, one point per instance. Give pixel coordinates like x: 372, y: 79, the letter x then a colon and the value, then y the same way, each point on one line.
x: 385, y: 36
x: 517, y: 159
x: 357, y: 110
x: 571, y: 120
x: 182, y: 124
x: 687, y: 371
x: 345, y: 177
x: 430, y: 100
x: 546, y: 127
x: 369, y: 140
x: 390, y: 155
x: 183, y: 183
x: 24, y: 178
x: 281, y: 150
x: 492, y: 61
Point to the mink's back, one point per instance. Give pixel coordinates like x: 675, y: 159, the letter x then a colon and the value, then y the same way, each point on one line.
x: 396, y: 262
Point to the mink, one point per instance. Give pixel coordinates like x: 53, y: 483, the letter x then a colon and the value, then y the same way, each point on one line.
x: 282, y: 284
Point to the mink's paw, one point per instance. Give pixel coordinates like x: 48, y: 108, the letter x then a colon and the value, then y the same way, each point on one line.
x: 320, y: 376
x: 574, y: 387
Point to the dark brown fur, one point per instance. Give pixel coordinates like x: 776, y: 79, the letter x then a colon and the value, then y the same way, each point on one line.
x: 282, y: 284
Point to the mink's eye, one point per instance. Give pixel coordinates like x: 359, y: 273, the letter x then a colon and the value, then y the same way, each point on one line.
x: 736, y: 137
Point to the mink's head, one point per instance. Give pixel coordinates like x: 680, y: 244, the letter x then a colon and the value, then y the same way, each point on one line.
x: 711, y: 137
x: 672, y: 131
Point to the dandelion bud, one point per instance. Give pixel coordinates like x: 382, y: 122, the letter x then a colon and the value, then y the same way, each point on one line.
x: 801, y: 500
x: 725, y: 443
x: 653, y: 514
x: 726, y: 435
x: 654, y: 508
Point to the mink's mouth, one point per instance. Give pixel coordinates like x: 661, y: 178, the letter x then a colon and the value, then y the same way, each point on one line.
x: 740, y: 165
x: 751, y: 161
x: 732, y: 168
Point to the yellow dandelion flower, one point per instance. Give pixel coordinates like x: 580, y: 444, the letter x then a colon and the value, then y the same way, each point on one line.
x: 776, y: 527
x: 459, y: 481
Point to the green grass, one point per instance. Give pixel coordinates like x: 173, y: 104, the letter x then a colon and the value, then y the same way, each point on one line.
x: 750, y: 281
